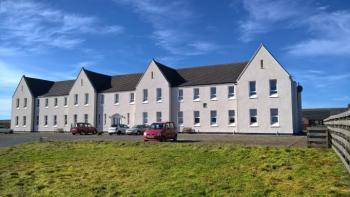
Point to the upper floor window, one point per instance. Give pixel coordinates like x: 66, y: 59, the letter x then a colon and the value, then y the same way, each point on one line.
x: 253, y: 117
x: 102, y: 99
x: 196, y: 94
x: 231, y: 92
x: 180, y: 95
x: 17, y: 103
x: 46, y: 102
x: 76, y: 99
x: 132, y: 98
x: 144, y: 118
x: 65, y: 101
x: 86, y: 99
x: 116, y: 98
x: 252, y: 89
x: 25, y: 102
x: 159, y: 94
x: 261, y: 64
x: 159, y: 116
x: 145, y: 95
x: 196, y: 118
x: 24, y: 123
x: 56, y: 102
x: 274, y: 117
x: 152, y: 76
x: 180, y: 118
x: 213, y: 93
x: 273, y: 87
x: 231, y: 117
x: 213, y: 118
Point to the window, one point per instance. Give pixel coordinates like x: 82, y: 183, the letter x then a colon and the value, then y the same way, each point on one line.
x: 213, y: 93
x: 25, y: 102
x: 159, y: 94
x: 105, y: 119
x: 261, y: 64
x: 17, y: 103
x: 116, y: 98
x: 75, y: 120
x: 65, y: 119
x: 274, y: 117
x: 65, y: 101
x: 132, y: 97
x: 145, y: 95
x: 196, y: 94
x: 86, y: 118
x: 45, y: 121
x: 231, y: 91
x: 180, y: 95
x: 16, y: 120
x: 102, y: 99
x: 54, y: 120
x: 75, y: 99
x: 253, y: 117
x: 213, y: 118
x: 273, y: 87
x: 46, y: 102
x: 37, y: 120
x: 180, y: 118
x: 231, y: 117
x: 252, y: 89
x: 38, y: 102
x: 128, y: 118
x: 81, y: 82
x: 197, y: 119
x: 159, y: 116
x: 99, y: 119
x: 86, y: 99
x: 56, y: 102
x: 152, y: 75
x: 144, y: 118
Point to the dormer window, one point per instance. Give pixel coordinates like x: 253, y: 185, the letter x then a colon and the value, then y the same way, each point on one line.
x: 261, y: 64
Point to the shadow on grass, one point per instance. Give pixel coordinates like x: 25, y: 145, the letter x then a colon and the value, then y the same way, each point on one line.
x: 187, y: 141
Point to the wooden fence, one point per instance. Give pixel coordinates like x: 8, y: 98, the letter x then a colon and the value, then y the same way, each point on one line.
x: 339, y: 133
x: 318, y: 137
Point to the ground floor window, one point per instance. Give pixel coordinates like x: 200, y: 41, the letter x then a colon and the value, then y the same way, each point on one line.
x: 16, y: 120
x: 54, y: 120
x: 86, y: 118
x: 253, y: 117
x: 144, y: 118
x: 65, y: 120
x: 180, y: 118
x: 45, y: 121
x: 159, y: 116
x: 213, y: 118
x: 197, y: 119
x: 274, y: 117
x: 37, y: 120
x: 24, y: 120
x: 75, y: 120
x: 231, y: 117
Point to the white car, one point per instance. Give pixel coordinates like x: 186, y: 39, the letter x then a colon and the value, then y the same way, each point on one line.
x: 117, y: 129
x: 137, y: 130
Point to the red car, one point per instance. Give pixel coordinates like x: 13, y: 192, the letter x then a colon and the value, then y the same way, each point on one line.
x: 160, y: 131
x: 82, y: 128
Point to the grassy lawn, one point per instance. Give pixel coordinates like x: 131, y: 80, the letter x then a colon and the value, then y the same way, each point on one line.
x: 168, y: 169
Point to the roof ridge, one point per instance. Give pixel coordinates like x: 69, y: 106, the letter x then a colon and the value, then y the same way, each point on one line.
x: 37, y: 78
x: 212, y: 65
x: 126, y: 74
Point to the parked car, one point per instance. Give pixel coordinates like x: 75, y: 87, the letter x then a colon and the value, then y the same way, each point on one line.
x: 5, y: 130
x: 137, y: 129
x: 160, y: 131
x: 117, y: 129
x: 82, y: 128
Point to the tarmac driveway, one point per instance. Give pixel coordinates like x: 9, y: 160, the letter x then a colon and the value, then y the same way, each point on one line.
x: 250, y: 140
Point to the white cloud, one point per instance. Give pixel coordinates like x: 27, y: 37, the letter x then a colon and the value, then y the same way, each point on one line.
x: 171, y: 23
x: 28, y: 24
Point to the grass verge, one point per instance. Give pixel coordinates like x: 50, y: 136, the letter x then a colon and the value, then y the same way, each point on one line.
x: 168, y: 169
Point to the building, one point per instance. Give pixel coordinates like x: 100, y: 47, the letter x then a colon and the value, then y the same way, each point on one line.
x: 5, y: 123
x: 315, y: 116
x: 257, y: 96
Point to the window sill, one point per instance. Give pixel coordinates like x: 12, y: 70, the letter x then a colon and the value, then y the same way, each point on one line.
x: 24, y: 125
x: 24, y: 107
x: 254, y: 125
x: 65, y: 106
x: 46, y: 107
x: 197, y: 125
x: 131, y: 103
x: 196, y: 100
x: 159, y: 101
x: 180, y: 101
x: 214, y: 125
x: 275, y: 126
x: 86, y: 105
x: 253, y: 97
x: 45, y: 125
x: 274, y: 96
x: 54, y: 125
x: 56, y: 106
x: 232, y: 98
x: 232, y: 125
x: 116, y: 103
x: 17, y: 126
x: 145, y: 102
x: 213, y: 99
x: 76, y: 105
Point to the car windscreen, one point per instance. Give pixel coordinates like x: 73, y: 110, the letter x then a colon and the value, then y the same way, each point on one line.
x: 157, y: 126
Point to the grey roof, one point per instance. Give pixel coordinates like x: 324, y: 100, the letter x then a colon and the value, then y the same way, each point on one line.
x: 202, y: 75
x: 60, y: 88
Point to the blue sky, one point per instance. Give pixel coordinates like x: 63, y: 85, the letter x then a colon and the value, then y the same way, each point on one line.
x: 53, y: 39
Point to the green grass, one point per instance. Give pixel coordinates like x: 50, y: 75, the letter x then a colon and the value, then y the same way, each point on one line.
x: 168, y: 169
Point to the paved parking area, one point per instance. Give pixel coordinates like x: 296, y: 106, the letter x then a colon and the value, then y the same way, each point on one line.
x: 7, y: 140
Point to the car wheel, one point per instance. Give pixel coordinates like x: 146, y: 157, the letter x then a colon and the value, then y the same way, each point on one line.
x: 73, y: 133
x: 138, y: 133
x: 119, y: 133
x: 110, y: 133
x: 175, y: 138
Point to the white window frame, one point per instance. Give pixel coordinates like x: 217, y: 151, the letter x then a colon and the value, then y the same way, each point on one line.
x: 180, y: 97
x: 231, y: 116
x: 213, y: 93
x: 273, y: 93
x: 196, y: 115
x: 65, y: 101
x: 116, y: 99
x: 213, y: 118
x: 252, y: 91
x: 54, y: 120
x: 145, y: 96
x: 253, y: 113
x: 86, y: 100
x: 231, y: 95
x: 159, y: 94
x: 25, y: 103
x: 144, y: 117
x: 132, y: 98
x: 46, y: 103
x: 17, y: 103
x: 158, y: 116
x: 196, y: 97
x: 46, y: 121
x: 180, y: 118
x: 76, y: 99
x: 274, y: 115
x: 55, y: 103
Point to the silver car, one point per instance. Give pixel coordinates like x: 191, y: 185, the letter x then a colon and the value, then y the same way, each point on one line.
x: 117, y: 129
x: 5, y: 130
x: 137, y: 129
